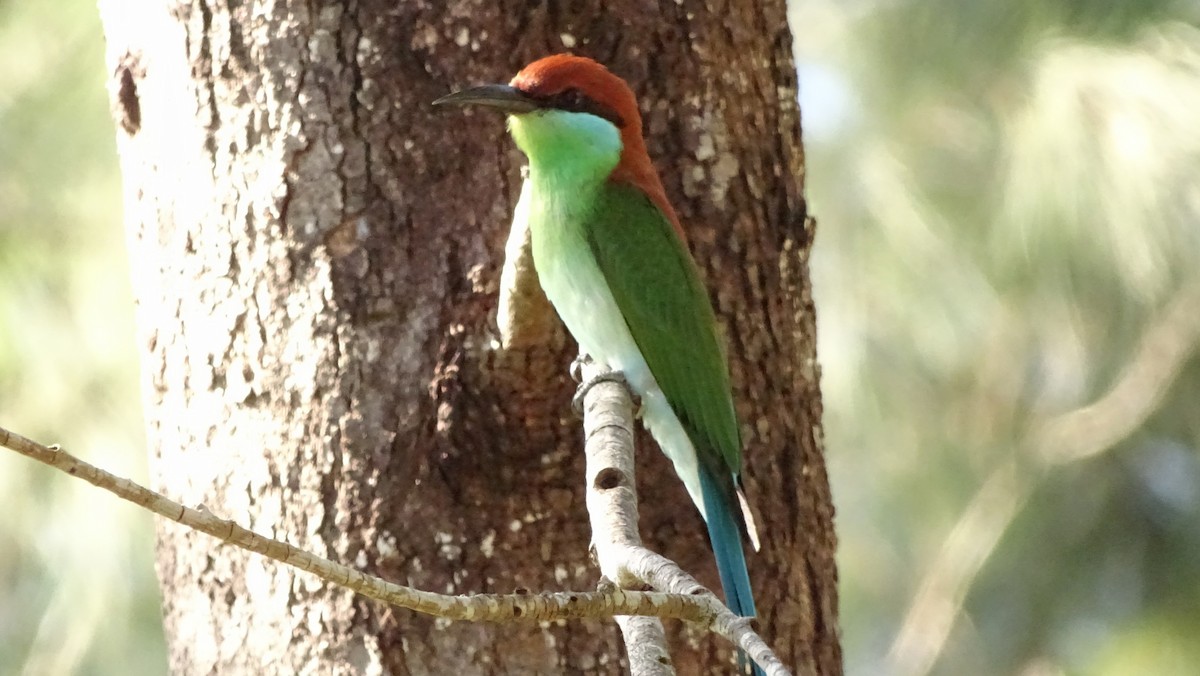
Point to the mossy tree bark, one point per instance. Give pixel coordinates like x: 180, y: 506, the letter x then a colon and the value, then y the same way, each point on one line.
x: 316, y: 257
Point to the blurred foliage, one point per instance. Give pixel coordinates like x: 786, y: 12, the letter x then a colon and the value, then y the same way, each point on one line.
x: 1008, y: 197
x: 77, y: 591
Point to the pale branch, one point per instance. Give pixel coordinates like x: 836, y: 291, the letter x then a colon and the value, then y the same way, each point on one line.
x: 1166, y: 344
x: 704, y: 610
x: 612, y: 509
x: 645, y: 645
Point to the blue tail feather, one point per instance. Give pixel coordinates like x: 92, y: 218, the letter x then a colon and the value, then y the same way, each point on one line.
x: 725, y: 534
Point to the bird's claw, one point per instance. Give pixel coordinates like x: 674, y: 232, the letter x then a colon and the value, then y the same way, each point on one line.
x: 606, y: 586
x: 576, y: 368
x: 585, y: 387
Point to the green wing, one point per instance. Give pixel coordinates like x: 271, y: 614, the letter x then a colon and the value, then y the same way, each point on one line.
x: 658, y: 290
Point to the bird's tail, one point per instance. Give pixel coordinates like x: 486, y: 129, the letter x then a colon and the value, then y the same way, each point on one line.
x: 725, y: 534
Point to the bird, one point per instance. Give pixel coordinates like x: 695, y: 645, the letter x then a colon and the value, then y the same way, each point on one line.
x: 612, y: 258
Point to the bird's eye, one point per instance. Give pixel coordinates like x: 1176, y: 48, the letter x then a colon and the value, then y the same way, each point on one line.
x: 576, y: 101
x: 572, y: 99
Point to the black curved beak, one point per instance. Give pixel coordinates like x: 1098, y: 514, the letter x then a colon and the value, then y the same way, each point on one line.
x: 501, y: 97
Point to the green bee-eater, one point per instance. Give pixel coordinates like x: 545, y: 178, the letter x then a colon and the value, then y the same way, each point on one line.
x: 611, y: 256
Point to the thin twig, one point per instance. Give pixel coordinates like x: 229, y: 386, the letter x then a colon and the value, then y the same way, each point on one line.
x: 705, y: 610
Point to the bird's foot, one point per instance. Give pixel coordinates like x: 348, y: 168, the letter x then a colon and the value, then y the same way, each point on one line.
x: 606, y: 586
x: 586, y: 386
x: 576, y: 367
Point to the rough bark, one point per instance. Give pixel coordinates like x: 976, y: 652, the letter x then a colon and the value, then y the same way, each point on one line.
x: 316, y: 256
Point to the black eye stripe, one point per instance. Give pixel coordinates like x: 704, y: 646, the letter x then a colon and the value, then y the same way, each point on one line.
x: 576, y: 101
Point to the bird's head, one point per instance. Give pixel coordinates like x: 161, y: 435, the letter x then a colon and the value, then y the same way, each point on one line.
x: 565, y: 106
x: 573, y: 114
x: 563, y: 82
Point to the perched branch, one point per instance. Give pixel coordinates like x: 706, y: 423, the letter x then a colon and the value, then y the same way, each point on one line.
x: 704, y: 610
x: 645, y: 645
x: 612, y: 508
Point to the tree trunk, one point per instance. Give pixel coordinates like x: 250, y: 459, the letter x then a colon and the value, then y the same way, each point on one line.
x: 316, y: 258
